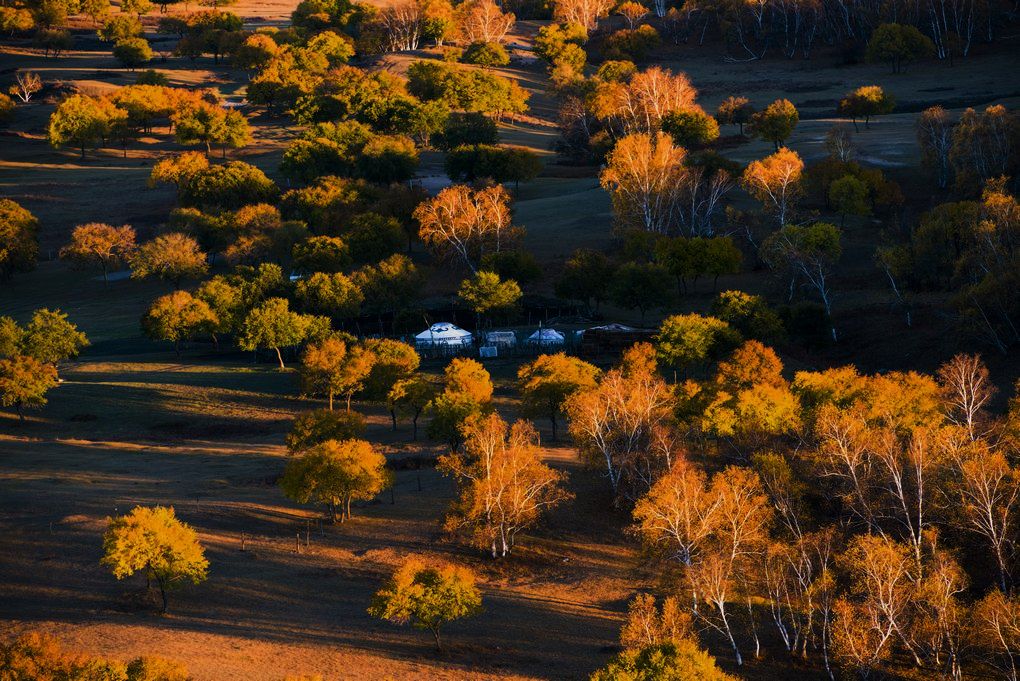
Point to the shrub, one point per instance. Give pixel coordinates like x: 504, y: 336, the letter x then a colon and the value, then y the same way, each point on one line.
x: 691, y: 127
x: 132, y: 52
x: 485, y: 54
x: 633, y: 44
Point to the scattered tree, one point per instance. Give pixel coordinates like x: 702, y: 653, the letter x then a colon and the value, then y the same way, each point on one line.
x: 153, y: 541
x: 334, y: 473
x: 427, y: 595
x: 100, y: 245
x: 503, y: 485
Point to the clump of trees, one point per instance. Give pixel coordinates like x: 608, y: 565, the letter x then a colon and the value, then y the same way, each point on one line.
x: 34, y: 655
x: 30, y: 355
x: 196, y: 117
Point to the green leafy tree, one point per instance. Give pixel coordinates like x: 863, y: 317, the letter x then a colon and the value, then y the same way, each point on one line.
x: 641, y: 286
x: 485, y: 54
x: 19, y: 238
x: 411, y: 396
x: 776, y: 122
x: 517, y: 264
x: 120, y: 27
x: 386, y: 159
x: 809, y: 252
x: 333, y: 295
x: 750, y: 315
x: 485, y: 292
x: 153, y: 541
x: 97, y: 10
x: 467, y: 128
x: 322, y: 254
x: 849, y: 196
x: 865, y: 102
x: 272, y: 325
x: 337, y: 48
x: 427, y: 596
x: 334, y: 473
x: 81, y: 121
x: 171, y: 257
x: 680, y: 660
x: 317, y: 426
x: 547, y: 382
x: 392, y: 361
x: 132, y: 52
x: 53, y: 41
x: 373, y: 237
x: 178, y: 317
x: 225, y: 301
x: 10, y: 337
x: 24, y: 382
x: 391, y: 285
x: 500, y: 164
x: 208, y: 124
x: 50, y: 338
x: 228, y: 186
x: 688, y: 340
x: 898, y: 44
x: 691, y: 128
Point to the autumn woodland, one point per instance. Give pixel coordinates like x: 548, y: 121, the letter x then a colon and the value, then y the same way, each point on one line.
x: 622, y: 340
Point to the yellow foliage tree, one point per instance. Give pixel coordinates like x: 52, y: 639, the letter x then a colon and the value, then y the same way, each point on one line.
x: 153, y: 541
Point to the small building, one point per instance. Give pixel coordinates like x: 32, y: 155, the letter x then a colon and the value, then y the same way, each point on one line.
x: 443, y: 335
x: 503, y: 340
x: 546, y: 338
x: 612, y: 339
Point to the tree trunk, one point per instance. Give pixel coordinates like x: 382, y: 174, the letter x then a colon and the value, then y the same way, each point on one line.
x: 393, y: 418
x: 439, y: 644
x: 162, y: 593
x: 279, y: 357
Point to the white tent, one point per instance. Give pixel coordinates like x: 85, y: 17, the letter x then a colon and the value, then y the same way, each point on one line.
x: 613, y: 327
x: 546, y: 338
x: 443, y: 334
x: 501, y: 339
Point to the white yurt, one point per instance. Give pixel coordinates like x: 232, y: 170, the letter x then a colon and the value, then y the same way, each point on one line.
x: 501, y: 339
x: 546, y: 338
x: 443, y: 334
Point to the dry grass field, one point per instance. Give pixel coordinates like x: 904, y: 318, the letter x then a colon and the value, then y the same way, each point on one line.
x: 130, y: 424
